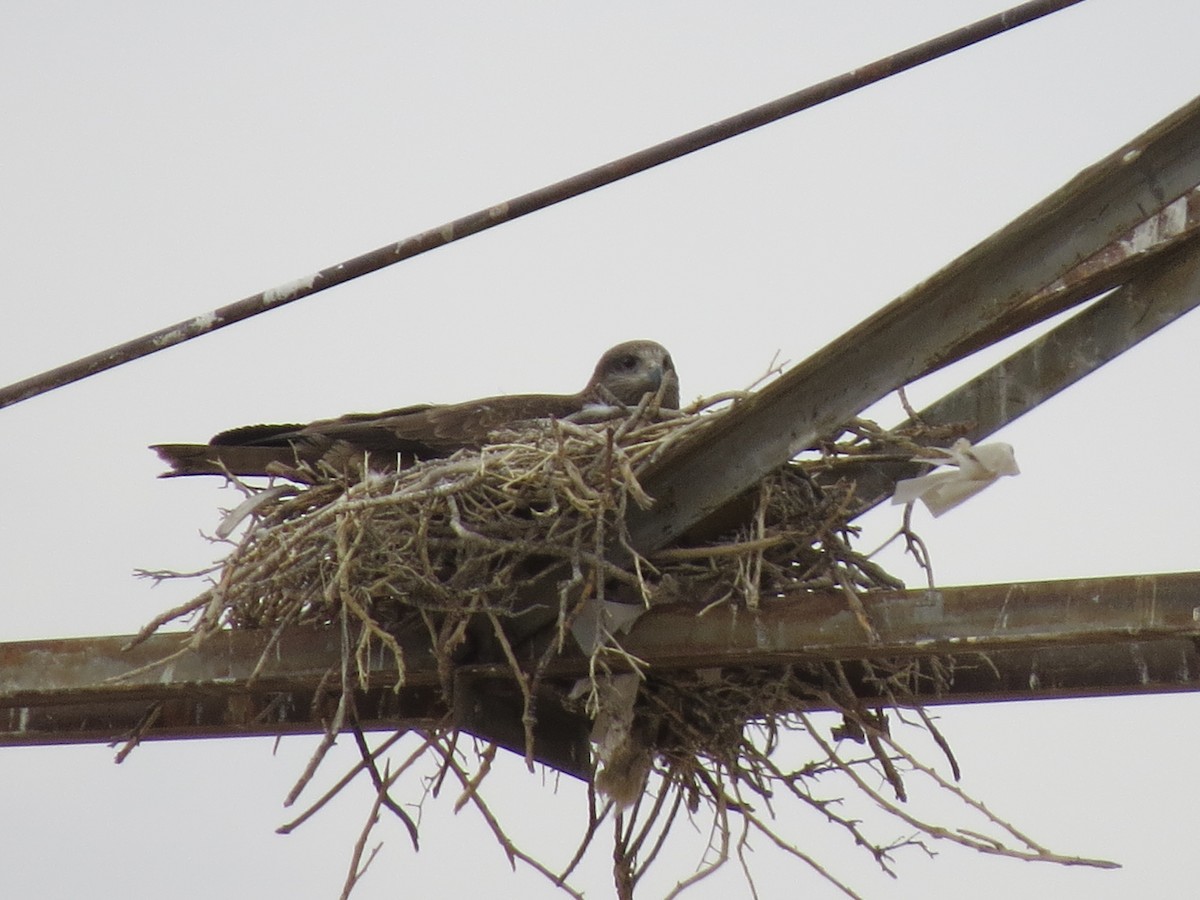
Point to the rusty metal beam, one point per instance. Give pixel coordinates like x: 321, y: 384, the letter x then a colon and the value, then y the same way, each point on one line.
x: 915, y: 332
x: 73, y: 690
x: 195, y: 711
x: 974, y: 619
x: 66, y: 670
x: 1157, y: 666
x: 1128, y: 634
x: 1176, y: 223
x: 1166, y: 288
x: 1162, y: 289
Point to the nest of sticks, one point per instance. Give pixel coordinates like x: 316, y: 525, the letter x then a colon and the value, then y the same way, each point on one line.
x: 451, y: 543
x: 460, y: 536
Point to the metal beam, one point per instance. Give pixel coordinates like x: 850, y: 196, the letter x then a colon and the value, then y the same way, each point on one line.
x: 64, y: 670
x: 1131, y: 634
x: 972, y: 619
x: 1158, y: 256
x: 1162, y: 290
x: 1123, y: 259
x: 77, y: 690
x: 1167, y: 289
x: 914, y: 333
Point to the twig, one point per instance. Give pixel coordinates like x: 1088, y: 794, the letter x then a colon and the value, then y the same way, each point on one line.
x: 740, y: 548
x: 291, y: 826
x: 721, y: 826
x: 989, y: 846
x: 327, y: 741
x: 135, y: 735
x: 368, y: 760
x: 510, y: 849
x: 594, y: 821
x: 485, y: 766
x: 940, y: 740
x: 355, y: 873
x: 856, y: 605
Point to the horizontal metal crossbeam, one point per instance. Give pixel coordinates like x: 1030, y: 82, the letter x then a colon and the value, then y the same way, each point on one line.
x: 1129, y: 634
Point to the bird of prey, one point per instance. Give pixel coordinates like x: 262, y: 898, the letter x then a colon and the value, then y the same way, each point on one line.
x: 623, y: 377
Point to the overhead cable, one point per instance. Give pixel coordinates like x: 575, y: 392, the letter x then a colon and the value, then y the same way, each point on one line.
x: 530, y: 202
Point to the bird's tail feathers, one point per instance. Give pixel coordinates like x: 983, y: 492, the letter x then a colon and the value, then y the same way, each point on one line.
x: 206, y: 459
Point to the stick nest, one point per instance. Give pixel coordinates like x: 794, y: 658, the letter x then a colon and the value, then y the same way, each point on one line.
x: 464, y: 535
x: 447, y: 544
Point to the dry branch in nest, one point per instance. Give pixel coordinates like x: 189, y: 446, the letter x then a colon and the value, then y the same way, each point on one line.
x: 452, y: 547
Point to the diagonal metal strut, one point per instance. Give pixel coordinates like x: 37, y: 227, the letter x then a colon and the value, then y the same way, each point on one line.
x: 1163, y: 289
x: 914, y: 333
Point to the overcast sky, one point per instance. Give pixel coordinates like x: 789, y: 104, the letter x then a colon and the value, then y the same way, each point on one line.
x: 159, y: 161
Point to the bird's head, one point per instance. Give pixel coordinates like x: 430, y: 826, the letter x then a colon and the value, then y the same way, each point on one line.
x: 629, y: 371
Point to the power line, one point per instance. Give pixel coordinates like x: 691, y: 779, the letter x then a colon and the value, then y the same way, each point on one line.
x: 532, y: 201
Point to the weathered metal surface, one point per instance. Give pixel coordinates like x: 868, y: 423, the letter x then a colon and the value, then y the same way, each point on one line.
x: 68, y: 669
x: 1010, y: 641
x: 976, y: 618
x: 1116, y: 264
x: 914, y: 333
x: 191, y: 712
x: 1159, y: 666
x: 531, y: 202
x: 77, y: 690
x: 1174, y: 222
x: 1153, y: 299
x: 1163, y: 289
x: 490, y: 704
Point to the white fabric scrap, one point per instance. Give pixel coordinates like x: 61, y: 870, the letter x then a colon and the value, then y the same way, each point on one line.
x: 615, y: 719
x: 601, y: 619
x: 977, y: 467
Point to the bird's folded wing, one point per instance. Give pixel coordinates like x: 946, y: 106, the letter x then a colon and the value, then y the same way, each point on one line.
x: 398, y: 436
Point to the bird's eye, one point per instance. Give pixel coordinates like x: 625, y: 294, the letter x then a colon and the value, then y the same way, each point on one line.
x: 629, y: 361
